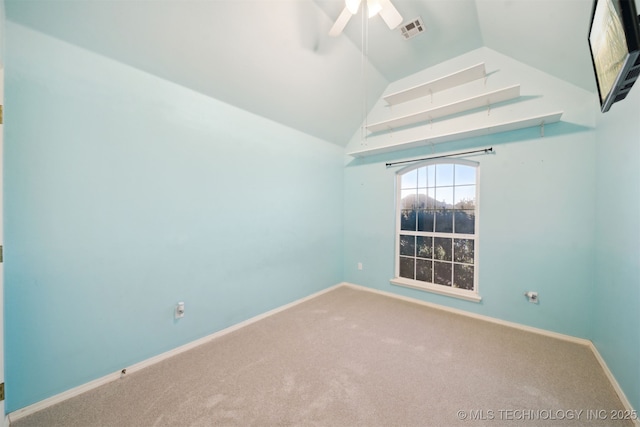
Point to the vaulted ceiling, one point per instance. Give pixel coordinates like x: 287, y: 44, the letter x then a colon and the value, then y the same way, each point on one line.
x: 275, y: 59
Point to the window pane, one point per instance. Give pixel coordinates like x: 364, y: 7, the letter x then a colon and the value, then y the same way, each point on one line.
x: 431, y: 176
x: 410, y: 179
x: 463, y: 276
x: 408, y: 199
x: 422, y: 177
x: 425, y: 220
x: 421, y: 201
x: 442, y: 273
x: 424, y: 247
x: 444, y: 175
x: 431, y: 198
x: 407, y: 267
x: 465, y: 222
x: 408, y: 219
x: 465, y: 175
x: 444, y: 197
x: 424, y: 270
x: 407, y: 245
x: 465, y: 197
x: 442, y: 248
x: 444, y: 221
x: 463, y: 250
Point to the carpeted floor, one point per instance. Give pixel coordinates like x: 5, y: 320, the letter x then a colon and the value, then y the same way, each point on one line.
x: 354, y: 358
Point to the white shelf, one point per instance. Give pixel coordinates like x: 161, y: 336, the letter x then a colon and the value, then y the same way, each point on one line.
x: 456, y: 79
x: 489, y: 129
x: 460, y: 106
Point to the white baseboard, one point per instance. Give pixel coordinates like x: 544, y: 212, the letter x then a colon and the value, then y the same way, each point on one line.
x: 475, y: 316
x: 38, y: 406
x: 614, y: 383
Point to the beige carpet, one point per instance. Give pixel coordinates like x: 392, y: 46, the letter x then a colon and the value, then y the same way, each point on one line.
x: 354, y: 358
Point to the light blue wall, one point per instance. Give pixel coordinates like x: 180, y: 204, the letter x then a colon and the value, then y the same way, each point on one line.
x: 536, y: 205
x: 125, y: 194
x: 616, y: 317
x: 536, y: 227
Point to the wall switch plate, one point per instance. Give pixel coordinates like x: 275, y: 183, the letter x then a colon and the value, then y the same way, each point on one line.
x: 359, y: 266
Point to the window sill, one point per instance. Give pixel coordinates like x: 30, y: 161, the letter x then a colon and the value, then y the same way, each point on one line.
x: 437, y: 289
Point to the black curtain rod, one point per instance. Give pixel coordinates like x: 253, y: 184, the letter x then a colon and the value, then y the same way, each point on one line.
x: 485, y: 151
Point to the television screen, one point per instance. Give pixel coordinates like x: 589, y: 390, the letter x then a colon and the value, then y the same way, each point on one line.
x: 615, y: 49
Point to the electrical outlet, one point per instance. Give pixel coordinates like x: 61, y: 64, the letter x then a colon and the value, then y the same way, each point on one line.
x: 359, y: 266
x: 179, y: 310
x: 532, y: 297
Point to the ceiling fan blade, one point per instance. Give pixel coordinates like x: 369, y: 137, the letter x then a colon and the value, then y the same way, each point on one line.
x: 340, y: 23
x: 390, y: 14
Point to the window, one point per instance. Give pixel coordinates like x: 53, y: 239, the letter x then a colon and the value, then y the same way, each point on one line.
x: 437, y: 233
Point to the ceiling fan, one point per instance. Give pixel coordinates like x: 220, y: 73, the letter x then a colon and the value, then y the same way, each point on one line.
x: 384, y: 8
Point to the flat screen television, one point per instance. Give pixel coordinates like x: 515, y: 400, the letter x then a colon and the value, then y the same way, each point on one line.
x: 614, y: 41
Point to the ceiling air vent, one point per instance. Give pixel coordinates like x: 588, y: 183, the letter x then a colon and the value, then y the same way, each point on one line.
x: 412, y: 28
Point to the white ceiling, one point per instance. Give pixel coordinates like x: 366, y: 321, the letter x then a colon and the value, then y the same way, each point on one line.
x: 275, y: 59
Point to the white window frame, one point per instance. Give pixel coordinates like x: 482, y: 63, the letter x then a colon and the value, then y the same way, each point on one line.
x: 470, y: 295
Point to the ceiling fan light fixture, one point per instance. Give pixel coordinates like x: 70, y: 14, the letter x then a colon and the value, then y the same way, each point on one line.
x: 352, y: 5
x: 384, y: 8
x: 374, y: 7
